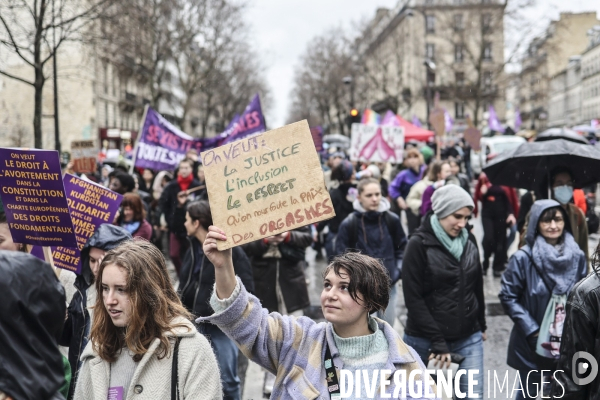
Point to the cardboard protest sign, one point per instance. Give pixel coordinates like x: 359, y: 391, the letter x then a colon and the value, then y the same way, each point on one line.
x: 377, y: 143
x: 34, y: 198
x: 472, y: 135
x: 265, y: 185
x: 161, y: 145
x: 83, y: 155
x: 90, y: 205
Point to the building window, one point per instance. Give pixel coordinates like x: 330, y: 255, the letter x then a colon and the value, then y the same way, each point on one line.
x: 106, y: 114
x: 458, y: 53
x: 459, y: 2
x: 460, y: 78
x: 430, y: 23
x: 487, y: 79
x: 430, y: 51
x: 428, y: 2
x: 487, y: 51
x: 459, y: 110
x: 458, y: 22
x: 486, y: 22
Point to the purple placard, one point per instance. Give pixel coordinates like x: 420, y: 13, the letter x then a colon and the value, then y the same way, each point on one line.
x: 91, y: 205
x: 34, y: 197
x: 252, y: 121
x: 161, y: 145
x: 115, y: 393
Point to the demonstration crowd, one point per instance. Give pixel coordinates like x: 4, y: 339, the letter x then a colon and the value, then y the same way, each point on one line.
x: 126, y: 332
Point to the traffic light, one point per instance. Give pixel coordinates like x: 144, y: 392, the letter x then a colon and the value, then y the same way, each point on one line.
x: 353, y: 118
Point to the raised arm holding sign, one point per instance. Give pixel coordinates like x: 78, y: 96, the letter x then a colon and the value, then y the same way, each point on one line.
x: 267, y: 184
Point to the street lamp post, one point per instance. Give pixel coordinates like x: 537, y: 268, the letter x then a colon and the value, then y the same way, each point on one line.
x: 429, y: 71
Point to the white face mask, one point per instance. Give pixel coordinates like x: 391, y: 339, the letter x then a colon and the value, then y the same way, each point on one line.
x: 563, y: 194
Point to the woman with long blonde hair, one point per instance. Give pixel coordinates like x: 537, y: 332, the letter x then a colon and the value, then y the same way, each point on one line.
x: 142, y: 341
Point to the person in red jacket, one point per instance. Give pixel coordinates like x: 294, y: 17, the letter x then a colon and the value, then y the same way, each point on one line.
x: 497, y: 213
x: 132, y: 217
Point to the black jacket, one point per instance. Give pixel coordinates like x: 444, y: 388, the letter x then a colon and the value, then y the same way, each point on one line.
x: 341, y: 206
x: 444, y: 297
x: 581, y: 332
x: 167, y: 204
x: 76, y: 332
x: 290, y: 268
x: 197, y: 278
x: 32, y: 311
x: 373, y: 237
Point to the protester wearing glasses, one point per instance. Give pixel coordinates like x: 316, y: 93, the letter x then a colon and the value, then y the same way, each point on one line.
x: 551, y: 263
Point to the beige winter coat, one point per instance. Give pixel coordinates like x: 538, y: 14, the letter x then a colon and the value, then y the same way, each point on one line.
x: 415, y: 196
x: 198, y: 371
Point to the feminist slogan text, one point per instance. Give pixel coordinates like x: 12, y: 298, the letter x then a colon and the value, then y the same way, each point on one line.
x: 266, y: 184
x: 91, y: 205
x: 34, y: 198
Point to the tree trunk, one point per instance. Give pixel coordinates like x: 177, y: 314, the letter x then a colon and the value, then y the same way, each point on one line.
x: 37, y: 113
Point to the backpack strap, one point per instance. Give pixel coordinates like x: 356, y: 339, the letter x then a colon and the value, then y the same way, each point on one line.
x: 174, y: 372
x: 391, y: 226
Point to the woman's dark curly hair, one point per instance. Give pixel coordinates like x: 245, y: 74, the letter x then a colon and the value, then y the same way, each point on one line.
x: 369, y: 282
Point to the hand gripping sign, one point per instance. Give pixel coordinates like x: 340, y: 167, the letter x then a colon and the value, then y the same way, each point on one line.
x: 265, y: 185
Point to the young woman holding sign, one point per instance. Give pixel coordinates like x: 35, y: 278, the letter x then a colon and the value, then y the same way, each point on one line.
x: 142, y: 343
x: 305, y: 356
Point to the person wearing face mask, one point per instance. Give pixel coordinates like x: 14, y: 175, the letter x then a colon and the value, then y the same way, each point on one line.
x: 170, y: 201
x: 142, y: 344
x: 80, y: 311
x: 442, y: 282
x: 376, y: 232
x: 561, y: 185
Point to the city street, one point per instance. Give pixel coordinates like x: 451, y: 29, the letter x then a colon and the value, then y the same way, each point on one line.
x: 499, y: 325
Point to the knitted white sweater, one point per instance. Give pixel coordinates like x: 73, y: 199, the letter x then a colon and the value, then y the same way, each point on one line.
x: 198, y: 371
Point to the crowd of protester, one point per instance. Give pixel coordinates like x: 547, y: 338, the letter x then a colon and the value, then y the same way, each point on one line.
x: 129, y: 328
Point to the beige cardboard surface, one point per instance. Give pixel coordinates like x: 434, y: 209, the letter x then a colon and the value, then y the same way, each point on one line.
x: 83, y: 155
x: 265, y: 185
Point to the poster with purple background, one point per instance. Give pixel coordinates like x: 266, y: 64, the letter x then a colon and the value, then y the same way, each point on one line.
x: 161, y: 145
x: 91, y: 205
x: 252, y: 121
x: 34, y: 197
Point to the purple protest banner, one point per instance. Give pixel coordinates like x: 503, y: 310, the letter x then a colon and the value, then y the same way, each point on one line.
x: 317, y: 135
x: 161, y: 145
x: 34, y: 197
x: 250, y: 122
x: 90, y: 205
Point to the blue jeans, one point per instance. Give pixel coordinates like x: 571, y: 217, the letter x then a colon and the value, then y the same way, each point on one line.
x: 390, y: 311
x: 470, y: 347
x: 227, y: 357
x: 533, y: 382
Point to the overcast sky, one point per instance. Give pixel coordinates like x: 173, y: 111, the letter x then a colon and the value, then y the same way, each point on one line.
x: 281, y: 30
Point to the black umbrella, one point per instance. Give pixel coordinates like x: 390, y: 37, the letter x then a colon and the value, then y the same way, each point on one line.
x: 561, y: 133
x: 530, y: 164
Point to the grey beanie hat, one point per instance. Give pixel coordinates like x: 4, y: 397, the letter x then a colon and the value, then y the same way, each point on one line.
x: 449, y: 199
